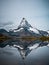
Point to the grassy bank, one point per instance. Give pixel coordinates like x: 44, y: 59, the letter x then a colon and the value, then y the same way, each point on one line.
x: 28, y: 38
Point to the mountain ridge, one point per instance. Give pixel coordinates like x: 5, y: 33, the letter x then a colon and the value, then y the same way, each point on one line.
x: 25, y: 29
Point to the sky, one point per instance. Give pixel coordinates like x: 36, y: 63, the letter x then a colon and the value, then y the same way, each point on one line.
x: 36, y: 13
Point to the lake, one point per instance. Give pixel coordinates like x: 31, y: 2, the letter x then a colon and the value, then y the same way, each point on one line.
x: 24, y: 53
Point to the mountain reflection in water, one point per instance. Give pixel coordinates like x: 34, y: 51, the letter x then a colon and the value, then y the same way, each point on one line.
x: 24, y: 52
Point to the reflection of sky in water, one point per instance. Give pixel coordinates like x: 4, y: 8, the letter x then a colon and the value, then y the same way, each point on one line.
x: 11, y: 56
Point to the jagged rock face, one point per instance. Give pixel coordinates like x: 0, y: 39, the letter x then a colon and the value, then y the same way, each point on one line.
x: 24, y: 24
x: 25, y: 29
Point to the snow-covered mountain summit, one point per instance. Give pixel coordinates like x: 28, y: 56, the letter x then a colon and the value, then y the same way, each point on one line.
x: 24, y: 24
x: 25, y: 28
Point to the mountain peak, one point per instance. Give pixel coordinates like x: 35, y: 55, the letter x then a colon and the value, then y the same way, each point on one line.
x: 24, y: 24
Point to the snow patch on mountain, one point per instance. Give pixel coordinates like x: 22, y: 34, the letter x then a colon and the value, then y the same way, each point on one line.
x: 26, y: 28
x: 16, y: 30
x: 24, y: 24
x: 34, y: 30
x: 48, y: 31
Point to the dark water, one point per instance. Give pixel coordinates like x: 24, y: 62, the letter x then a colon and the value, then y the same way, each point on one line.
x: 24, y: 53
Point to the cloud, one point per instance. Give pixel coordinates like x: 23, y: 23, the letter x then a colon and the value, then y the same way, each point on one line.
x: 5, y: 23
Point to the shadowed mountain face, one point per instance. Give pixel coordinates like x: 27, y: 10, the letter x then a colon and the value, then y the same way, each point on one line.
x: 24, y: 24
x: 25, y: 29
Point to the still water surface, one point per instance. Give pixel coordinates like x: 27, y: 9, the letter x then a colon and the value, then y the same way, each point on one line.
x: 10, y: 54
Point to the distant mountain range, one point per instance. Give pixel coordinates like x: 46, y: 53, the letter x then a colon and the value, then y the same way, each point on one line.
x: 24, y: 29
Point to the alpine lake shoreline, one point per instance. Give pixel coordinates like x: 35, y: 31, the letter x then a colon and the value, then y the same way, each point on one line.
x: 26, y: 38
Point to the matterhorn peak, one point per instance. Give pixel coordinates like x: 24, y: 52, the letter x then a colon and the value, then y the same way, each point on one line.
x: 24, y: 24
x: 23, y: 20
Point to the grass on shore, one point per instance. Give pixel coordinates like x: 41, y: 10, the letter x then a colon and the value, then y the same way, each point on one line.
x: 28, y: 38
